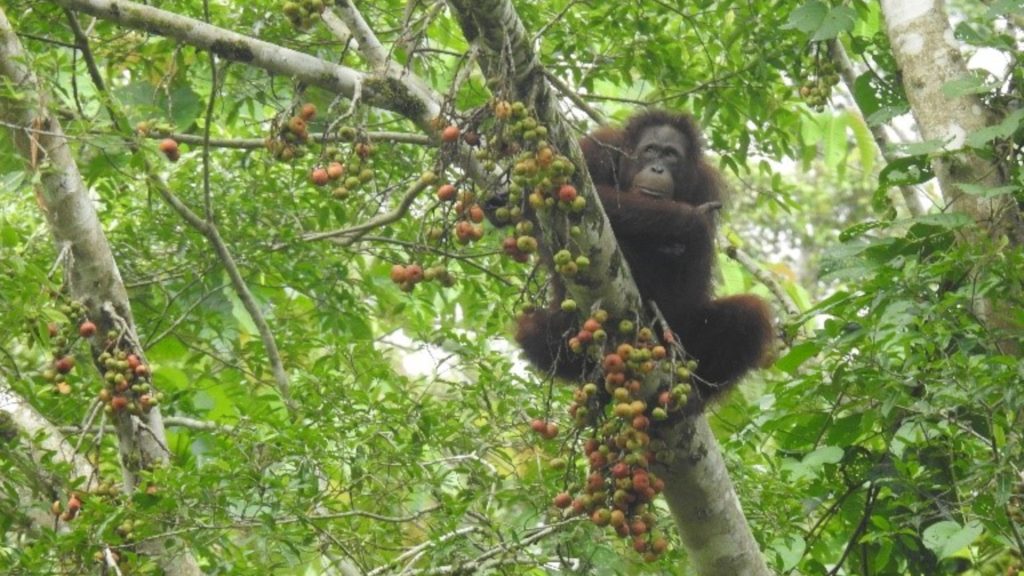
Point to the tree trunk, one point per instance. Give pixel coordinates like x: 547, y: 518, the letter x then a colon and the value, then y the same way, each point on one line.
x: 92, y: 274
x: 929, y: 59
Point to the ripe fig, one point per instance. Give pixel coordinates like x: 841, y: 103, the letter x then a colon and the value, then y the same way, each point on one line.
x: 86, y: 329
x: 398, y: 274
x: 446, y: 193
x: 450, y: 133
x: 296, y: 125
x: 562, y: 500
x: 502, y: 110
x: 170, y: 149
x: 567, y: 193
x: 335, y: 170
x: 414, y: 273
x: 319, y: 177
x: 64, y: 364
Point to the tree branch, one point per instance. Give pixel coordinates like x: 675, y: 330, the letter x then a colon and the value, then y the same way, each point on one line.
x: 209, y: 230
x: 352, y: 234
x: 413, y: 102
x: 258, y: 143
x: 849, y: 76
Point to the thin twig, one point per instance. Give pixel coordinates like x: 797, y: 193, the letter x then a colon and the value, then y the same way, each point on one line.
x: 348, y: 236
x: 869, y: 503
x: 207, y: 200
x: 761, y: 274
x: 209, y: 230
x: 256, y: 143
x: 565, y: 90
x: 419, y: 549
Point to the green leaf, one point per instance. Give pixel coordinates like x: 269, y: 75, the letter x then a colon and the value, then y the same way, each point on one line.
x: 947, y: 538
x: 906, y: 172
x: 948, y: 220
x: 866, y: 146
x: 790, y: 550
x: 796, y: 356
x: 987, y: 191
x: 823, y: 455
x: 238, y: 311
x: 733, y: 281
x: 858, y: 230
x: 835, y: 143
x: 1005, y: 7
x: 838, y: 20
x: 964, y: 86
x: 865, y: 94
x: 1005, y: 129
x: 807, y: 18
x: 820, y: 22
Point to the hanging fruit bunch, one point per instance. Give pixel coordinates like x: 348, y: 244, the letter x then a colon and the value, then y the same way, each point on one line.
x: 289, y: 136
x: 303, y: 13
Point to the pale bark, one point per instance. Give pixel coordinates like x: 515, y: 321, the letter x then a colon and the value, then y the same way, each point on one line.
x: 52, y: 446
x: 705, y: 507
x: 31, y: 423
x: 390, y: 92
x: 911, y: 199
x: 92, y: 273
x: 929, y: 58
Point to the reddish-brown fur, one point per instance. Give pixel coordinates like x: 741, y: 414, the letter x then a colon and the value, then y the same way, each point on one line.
x: 669, y: 245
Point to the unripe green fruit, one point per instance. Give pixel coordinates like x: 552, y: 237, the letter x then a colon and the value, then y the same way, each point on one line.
x: 524, y: 227
x: 526, y: 244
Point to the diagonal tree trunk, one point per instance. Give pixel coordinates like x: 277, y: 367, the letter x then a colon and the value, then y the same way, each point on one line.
x: 93, y: 276
x: 698, y: 489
